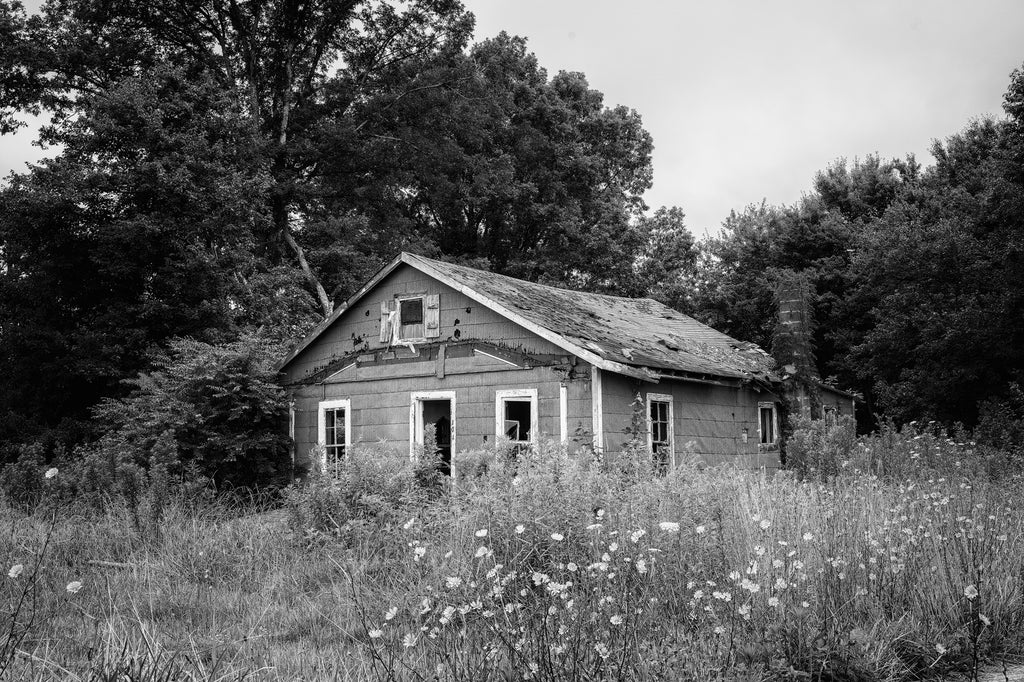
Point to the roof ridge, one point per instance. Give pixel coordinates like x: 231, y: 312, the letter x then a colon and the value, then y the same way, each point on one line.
x: 532, y: 283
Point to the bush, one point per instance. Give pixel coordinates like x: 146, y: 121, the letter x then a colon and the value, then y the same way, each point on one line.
x: 216, y: 411
x: 819, y: 447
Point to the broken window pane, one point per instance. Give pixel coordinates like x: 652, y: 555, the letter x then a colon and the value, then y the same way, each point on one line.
x: 412, y: 311
x: 517, y: 420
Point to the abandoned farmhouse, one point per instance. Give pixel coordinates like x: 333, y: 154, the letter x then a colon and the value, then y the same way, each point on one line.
x: 482, y: 357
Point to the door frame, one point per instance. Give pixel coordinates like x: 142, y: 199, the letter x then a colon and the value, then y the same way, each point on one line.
x: 416, y: 399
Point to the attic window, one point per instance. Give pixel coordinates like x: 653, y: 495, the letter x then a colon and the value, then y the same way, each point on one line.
x: 410, y: 318
x: 412, y: 311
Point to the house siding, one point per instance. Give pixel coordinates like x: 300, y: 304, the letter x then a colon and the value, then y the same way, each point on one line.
x: 711, y: 417
x: 380, y: 405
x: 461, y: 319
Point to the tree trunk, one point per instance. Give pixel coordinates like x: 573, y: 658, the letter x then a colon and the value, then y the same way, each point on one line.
x: 326, y: 305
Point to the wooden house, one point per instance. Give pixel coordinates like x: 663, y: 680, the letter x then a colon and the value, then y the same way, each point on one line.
x: 483, y: 356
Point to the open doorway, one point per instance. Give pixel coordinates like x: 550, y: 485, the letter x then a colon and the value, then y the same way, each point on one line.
x: 434, y: 411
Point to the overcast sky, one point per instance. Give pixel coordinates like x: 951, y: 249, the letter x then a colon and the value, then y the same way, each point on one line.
x: 747, y: 99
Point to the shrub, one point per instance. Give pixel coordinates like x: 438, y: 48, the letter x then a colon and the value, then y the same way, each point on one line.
x: 213, y: 410
x: 819, y: 447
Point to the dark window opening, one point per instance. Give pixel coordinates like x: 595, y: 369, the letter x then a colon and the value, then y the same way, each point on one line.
x: 517, y: 420
x: 767, y: 425
x: 412, y: 311
x: 438, y: 414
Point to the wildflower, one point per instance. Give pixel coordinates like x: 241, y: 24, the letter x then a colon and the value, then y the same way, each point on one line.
x: 805, y: 604
x: 481, y: 551
x: 808, y: 537
x: 744, y: 611
x: 571, y: 566
x: 777, y: 563
x: 446, y: 615
x: 74, y: 586
x: 773, y: 602
x: 750, y: 586
x: 451, y: 582
x: 16, y: 570
x: 615, y: 620
x: 557, y: 537
x: 482, y: 533
x: 599, y: 513
x: 612, y: 547
x: 765, y: 524
x: 941, y: 649
x: 540, y: 578
x: 425, y: 606
x: 636, y: 535
x: 409, y: 640
x: 719, y: 630
x: 595, y: 526
x: 971, y: 592
x: 51, y: 472
x: 391, y: 613
x: 669, y: 526
x: 602, y: 650
x: 520, y: 528
x: 984, y: 619
x: 734, y: 576
x: 376, y: 634
x: 409, y: 524
x: 418, y: 553
x: 641, y: 566
x: 699, y: 530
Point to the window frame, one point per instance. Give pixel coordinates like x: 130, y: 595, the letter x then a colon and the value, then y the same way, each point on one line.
x: 416, y: 399
x: 662, y: 398
x: 398, y: 318
x: 774, y: 443
x: 501, y: 396
x: 321, y: 426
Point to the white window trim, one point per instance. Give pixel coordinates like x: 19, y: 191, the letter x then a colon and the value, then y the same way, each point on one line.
x: 398, y: 318
x: 662, y: 398
x: 321, y: 426
x: 563, y: 413
x: 291, y: 432
x: 416, y: 399
x: 500, y: 396
x: 775, y: 425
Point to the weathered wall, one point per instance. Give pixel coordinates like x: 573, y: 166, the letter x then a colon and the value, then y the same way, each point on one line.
x: 711, y: 417
x: 461, y: 318
x: 381, y: 398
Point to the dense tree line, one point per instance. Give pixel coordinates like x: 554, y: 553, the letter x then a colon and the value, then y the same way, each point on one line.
x: 918, y: 273
x: 228, y: 169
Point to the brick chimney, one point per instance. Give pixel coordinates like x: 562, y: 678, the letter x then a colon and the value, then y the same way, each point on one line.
x: 793, y: 342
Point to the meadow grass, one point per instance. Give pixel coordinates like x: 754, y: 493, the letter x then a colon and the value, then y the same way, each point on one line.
x: 558, y: 568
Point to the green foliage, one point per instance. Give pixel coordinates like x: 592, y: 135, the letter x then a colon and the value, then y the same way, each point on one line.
x: 212, y: 411
x: 820, y: 447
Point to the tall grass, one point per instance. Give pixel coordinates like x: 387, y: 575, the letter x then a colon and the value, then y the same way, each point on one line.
x: 545, y: 567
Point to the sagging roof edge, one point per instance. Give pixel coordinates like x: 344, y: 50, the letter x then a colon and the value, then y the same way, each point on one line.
x: 426, y: 268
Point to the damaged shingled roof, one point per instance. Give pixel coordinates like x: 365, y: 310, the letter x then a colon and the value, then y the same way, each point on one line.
x: 637, y: 336
x: 638, y: 332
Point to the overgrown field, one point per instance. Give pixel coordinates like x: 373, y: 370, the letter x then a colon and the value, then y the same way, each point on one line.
x: 906, y: 561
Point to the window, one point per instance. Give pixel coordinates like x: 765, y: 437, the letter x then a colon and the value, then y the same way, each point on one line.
x: 767, y: 426
x: 410, y: 318
x: 659, y: 430
x: 334, y: 426
x: 515, y: 416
